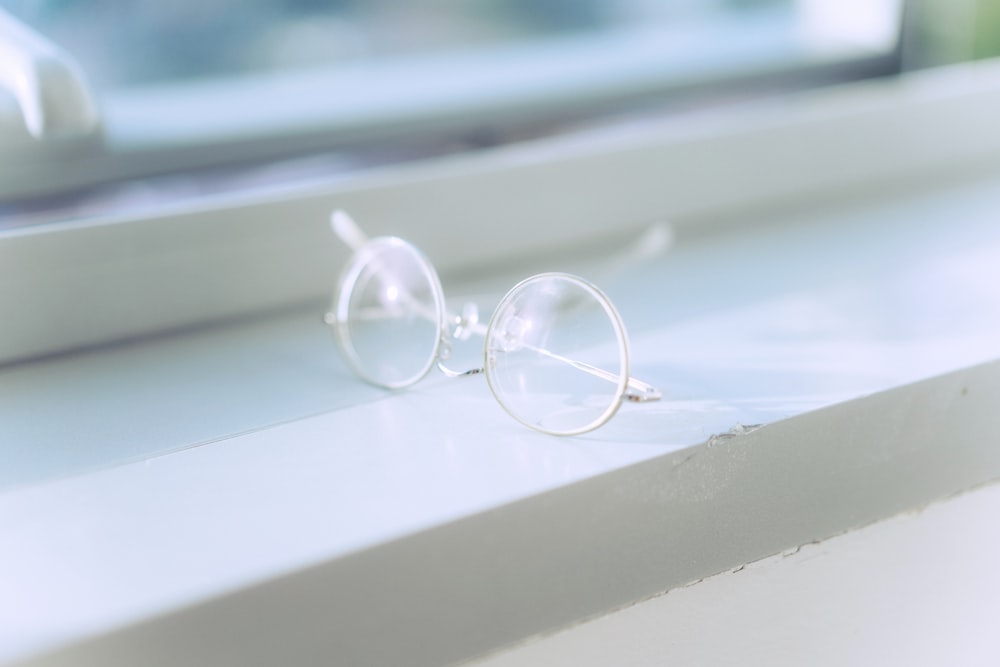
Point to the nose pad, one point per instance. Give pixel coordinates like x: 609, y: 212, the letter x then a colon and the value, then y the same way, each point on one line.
x: 466, y: 323
x: 513, y: 332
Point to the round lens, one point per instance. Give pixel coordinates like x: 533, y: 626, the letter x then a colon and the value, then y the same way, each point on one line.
x: 389, y: 313
x: 557, y: 355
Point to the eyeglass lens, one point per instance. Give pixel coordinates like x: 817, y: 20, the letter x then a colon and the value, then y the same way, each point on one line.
x: 389, y: 313
x: 556, y: 355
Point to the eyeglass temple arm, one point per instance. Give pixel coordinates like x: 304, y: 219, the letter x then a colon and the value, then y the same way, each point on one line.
x: 354, y: 237
x: 639, y: 391
x: 347, y: 230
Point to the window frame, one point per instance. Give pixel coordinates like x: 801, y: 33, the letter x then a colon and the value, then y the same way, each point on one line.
x: 76, y: 284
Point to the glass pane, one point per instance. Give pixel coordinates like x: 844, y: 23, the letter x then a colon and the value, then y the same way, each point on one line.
x: 266, y: 92
x: 122, y: 44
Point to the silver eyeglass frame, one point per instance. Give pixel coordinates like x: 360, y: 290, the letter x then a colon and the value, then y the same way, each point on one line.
x: 338, y: 317
x: 451, y: 327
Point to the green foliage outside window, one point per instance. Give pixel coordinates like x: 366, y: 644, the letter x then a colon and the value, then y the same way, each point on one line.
x: 987, y: 39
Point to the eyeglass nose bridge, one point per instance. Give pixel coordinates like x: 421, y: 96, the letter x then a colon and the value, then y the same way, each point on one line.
x: 444, y: 352
x: 463, y: 327
x: 467, y: 323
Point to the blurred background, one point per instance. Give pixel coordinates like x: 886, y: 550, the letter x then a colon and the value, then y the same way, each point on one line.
x: 124, y: 44
x: 197, y: 98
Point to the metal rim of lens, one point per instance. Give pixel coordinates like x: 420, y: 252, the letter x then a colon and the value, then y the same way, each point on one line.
x: 616, y: 324
x: 347, y: 284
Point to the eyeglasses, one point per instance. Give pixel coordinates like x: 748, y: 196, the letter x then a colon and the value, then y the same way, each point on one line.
x: 555, y: 355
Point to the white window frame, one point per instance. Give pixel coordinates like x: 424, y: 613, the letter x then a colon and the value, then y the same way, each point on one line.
x: 76, y: 284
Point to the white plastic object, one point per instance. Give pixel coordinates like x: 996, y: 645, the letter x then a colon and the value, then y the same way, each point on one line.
x: 48, y: 85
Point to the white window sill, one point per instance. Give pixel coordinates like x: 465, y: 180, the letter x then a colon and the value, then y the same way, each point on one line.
x: 237, y: 480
